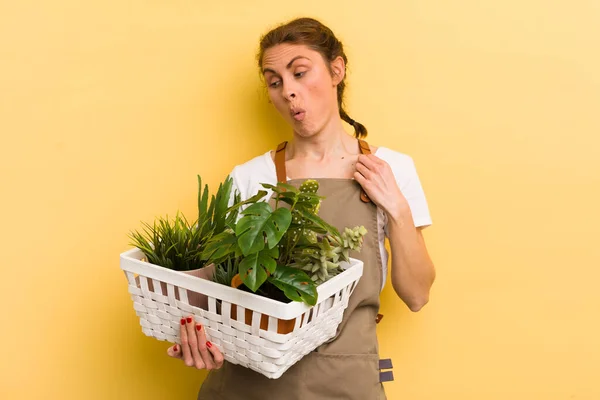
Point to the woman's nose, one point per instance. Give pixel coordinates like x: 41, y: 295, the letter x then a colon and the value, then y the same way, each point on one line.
x: 289, y: 91
x: 290, y: 94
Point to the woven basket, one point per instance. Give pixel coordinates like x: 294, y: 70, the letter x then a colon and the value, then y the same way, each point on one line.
x: 241, y: 339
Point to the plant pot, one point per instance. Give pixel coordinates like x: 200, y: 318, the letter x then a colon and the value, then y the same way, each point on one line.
x: 284, y: 326
x: 256, y: 332
x: 194, y: 298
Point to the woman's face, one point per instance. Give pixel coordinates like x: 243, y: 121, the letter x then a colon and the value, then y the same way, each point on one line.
x: 301, y: 86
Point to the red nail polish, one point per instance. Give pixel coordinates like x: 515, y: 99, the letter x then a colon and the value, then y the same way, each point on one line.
x: 189, y: 320
x: 198, y: 327
x: 175, y: 348
x: 209, y: 344
x: 182, y: 321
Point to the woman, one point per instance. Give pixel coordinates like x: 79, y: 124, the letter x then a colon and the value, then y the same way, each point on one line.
x: 304, y: 67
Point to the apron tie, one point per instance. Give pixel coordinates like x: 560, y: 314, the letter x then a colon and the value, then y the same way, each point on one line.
x: 386, y: 376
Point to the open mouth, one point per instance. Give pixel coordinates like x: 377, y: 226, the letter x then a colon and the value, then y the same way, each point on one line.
x: 298, y: 114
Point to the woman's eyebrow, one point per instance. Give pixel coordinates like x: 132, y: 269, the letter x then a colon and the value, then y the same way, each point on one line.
x: 288, y: 66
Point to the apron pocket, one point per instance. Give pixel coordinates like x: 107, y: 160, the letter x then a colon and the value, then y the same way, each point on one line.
x: 342, y: 376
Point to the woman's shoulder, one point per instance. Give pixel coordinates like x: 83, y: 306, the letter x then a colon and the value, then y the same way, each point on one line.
x: 249, y: 175
x: 395, y: 159
x: 402, y: 165
x: 255, y: 165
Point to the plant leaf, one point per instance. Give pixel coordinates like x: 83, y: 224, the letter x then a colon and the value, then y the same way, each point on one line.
x: 318, y: 221
x: 254, y: 268
x: 253, y: 199
x: 295, y: 284
x: 219, y: 247
x: 260, y: 223
x: 221, y: 204
x: 233, y: 214
x: 280, y: 187
x: 202, y: 198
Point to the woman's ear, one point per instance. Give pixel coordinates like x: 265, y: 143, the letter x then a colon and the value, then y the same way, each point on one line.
x: 338, y: 67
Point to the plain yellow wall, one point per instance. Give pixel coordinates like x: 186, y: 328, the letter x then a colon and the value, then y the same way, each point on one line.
x: 109, y: 109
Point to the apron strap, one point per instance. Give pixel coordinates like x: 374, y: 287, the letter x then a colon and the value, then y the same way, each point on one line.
x: 364, y: 149
x: 280, y: 163
x: 282, y: 174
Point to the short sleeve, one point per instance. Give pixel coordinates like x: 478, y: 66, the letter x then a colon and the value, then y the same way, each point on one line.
x: 408, y: 181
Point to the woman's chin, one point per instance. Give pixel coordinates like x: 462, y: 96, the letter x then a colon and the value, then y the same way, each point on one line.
x: 304, y: 129
x: 304, y: 133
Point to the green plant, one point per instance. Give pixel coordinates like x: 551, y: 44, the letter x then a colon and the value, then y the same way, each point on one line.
x: 321, y: 260
x: 176, y: 243
x: 170, y: 243
x: 225, y: 272
x: 289, y: 247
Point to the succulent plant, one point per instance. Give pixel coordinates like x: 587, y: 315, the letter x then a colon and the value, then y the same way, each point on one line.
x: 322, y: 261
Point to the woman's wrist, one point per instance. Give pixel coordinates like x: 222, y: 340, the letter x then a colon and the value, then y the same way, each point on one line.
x: 399, y: 214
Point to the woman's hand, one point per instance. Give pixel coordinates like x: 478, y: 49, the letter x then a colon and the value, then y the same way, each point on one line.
x: 195, y: 350
x: 377, y: 179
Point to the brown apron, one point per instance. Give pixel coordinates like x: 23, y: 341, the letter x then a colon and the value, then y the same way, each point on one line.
x: 347, y: 367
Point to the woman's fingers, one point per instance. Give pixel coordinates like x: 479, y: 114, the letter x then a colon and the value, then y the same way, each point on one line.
x: 175, y: 351
x: 195, y: 350
x: 193, y: 343
x: 216, y: 355
x: 210, y: 350
x: 363, y: 170
x: 370, y: 161
x: 185, y: 346
x: 203, y: 348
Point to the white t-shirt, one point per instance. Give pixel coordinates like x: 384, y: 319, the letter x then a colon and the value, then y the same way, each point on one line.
x: 248, y: 177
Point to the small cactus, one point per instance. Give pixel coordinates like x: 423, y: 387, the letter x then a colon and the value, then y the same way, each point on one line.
x: 309, y: 186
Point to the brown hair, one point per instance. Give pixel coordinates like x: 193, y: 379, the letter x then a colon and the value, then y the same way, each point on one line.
x: 315, y: 35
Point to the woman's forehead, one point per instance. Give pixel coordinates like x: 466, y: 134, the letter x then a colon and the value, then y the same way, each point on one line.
x: 279, y: 56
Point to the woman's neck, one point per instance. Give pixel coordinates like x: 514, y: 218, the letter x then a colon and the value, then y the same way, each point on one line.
x: 331, y: 142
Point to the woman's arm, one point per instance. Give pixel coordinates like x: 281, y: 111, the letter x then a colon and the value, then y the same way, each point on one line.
x: 412, y: 271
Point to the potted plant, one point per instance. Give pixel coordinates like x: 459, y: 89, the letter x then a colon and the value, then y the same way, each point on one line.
x: 177, y: 244
x: 280, y: 279
x: 282, y: 253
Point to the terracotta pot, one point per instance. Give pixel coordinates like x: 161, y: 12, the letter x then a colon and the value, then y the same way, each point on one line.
x: 283, y: 325
x: 195, y: 299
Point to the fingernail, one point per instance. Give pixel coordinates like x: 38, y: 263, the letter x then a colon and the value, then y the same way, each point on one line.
x: 198, y: 327
x: 175, y: 348
x: 182, y: 321
x: 209, y: 344
x: 189, y: 320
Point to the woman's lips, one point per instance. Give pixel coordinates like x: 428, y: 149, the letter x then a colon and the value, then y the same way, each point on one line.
x: 298, y: 114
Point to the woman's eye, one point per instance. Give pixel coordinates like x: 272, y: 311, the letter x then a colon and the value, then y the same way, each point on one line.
x: 299, y: 74
x: 274, y: 84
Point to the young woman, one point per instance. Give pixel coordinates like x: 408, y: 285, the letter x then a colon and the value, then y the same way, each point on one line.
x: 304, y: 67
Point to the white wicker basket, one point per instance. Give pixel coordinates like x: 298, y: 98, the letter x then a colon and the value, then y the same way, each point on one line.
x: 241, y: 341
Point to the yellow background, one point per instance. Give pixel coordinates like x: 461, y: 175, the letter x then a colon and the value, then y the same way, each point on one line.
x: 109, y: 109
